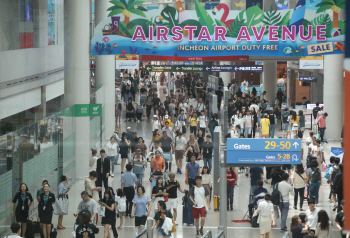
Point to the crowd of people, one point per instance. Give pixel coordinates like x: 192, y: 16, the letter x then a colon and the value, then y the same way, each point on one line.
x: 181, y: 112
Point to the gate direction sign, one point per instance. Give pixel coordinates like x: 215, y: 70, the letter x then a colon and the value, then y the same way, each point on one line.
x: 307, y: 78
x: 205, y: 68
x: 264, y: 151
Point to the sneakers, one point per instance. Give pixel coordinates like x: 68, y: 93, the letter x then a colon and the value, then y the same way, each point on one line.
x: 112, y: 175
x: 180, y: 171
x: 197, y: 234
x: 330, y: 200
x: 201, y: 231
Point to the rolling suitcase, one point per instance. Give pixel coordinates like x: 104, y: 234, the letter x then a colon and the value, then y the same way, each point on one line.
x: 187, y: 216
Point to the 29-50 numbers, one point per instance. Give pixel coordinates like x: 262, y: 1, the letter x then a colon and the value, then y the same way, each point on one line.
x: 282, y: 145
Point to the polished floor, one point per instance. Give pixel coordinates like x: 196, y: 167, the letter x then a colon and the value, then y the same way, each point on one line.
x: 213, y: 218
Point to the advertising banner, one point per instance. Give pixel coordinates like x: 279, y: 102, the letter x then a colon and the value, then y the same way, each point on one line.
x: 263, y: 151
x: 337, y: 152
x: 51, y: 22
x: 175, y: 31
x: 311, y: 62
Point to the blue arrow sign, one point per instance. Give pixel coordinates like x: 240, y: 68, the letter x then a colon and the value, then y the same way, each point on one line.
x: 234, y: 68
x: 307, y: 78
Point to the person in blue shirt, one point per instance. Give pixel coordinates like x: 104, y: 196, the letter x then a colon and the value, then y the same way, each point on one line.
x: 256, y: 173
x: 192, y: 170
x: 259, y: 193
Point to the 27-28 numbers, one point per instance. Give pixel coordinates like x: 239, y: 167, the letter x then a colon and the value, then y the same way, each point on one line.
x: 272, y: 145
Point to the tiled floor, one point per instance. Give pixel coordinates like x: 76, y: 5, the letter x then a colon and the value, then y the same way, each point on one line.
x: 213, y: 218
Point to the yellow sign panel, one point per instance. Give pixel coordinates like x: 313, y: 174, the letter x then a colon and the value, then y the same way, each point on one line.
x: 320, y: 48
x: 316, y: 57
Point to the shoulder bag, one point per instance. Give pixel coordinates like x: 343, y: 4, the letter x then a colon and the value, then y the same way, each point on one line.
x: 205, y: 201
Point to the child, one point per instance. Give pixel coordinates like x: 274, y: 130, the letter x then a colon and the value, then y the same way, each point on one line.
x: 121, y: 206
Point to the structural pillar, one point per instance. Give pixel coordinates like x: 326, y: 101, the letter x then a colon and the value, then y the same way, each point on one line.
x: 226, y: 76
x: 105, y: 73
x: 270, y: 81
x: 77, y: 74
x: 40, y: 112
x: 333, y: 95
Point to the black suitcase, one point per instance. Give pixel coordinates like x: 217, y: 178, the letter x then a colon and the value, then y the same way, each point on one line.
x: 187, y: 216
x: 255, y: 223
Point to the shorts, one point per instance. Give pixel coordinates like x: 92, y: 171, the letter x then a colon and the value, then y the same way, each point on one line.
x: 161, y: 232
x: 179, y: 154
x: 121, y: 214
x: 285, y: 126
x: 140, y: 221
x: 286, y: 166
x: 172, y: 203
x: 289, y: 128
x: 197, y: 211
x: 302, y: 128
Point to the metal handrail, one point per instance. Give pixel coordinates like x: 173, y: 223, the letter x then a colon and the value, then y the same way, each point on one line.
x: 220, y: 234
x: 207, y: 234
x: 141, y: 233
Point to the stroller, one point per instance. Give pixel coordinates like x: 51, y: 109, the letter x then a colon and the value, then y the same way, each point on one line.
x: 139, y: 112
x: 143, y: 97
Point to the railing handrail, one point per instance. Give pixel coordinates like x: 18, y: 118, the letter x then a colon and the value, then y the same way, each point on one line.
x: 207, y: 234
x: 141, y: 233
x: 220, y: 233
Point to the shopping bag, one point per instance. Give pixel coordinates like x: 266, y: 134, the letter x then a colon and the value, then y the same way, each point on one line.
x: 61, y: 206
x: 200, y: 163
x: 102, y: 211
x: 324, y: 167
x: 276, y: 212
x: 110, y: 182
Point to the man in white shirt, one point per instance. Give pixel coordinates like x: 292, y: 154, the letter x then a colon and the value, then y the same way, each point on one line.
x: 192, y: 101
x: 183, y: 106
x: 199, y: 195
x: 200, y: 107
x: 234, y: 131
x: 285, y: 188
x: 312, y: 214
x: 16, y: 230
x: 203, y: 122
x: 168, y: 129
x: 318, y: 152
x: 179, y: 150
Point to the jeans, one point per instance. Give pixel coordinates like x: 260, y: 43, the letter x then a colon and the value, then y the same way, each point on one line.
x: 252, y: 189
x: 322, y: 133
x: 230, y: 191
x: 139, y: 177
x: 301, y: 196
x: 247, y: 132
x: 284, y: 208
x: 112, y: 159
x: 208, y: 162
x: 193, y: 129
x: 314, y: 190
x: 272, y: 131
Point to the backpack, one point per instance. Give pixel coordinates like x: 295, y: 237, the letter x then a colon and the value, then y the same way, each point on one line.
x: 335, y: 172
x: 316, y: 176
x: 83, y: 212
x: 285, y: 117
x: 165, y: 91
x: 276, y: 197
x: 130, y: 107
x: 327, y: 175
x: 121, y: 205
x: 315, y: 111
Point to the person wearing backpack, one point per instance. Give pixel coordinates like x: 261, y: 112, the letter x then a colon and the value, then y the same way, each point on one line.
x: 315, y: 110
x: 332, y: 174
x: 285, y: 189
x: 285, y: 122
x: 139, y: 163
x: 121, y: 206
x: 314, y: 178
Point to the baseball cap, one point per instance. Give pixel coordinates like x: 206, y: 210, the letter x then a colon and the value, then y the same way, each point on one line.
x: 155, y: 116
x: 138, y: 151
x: 166, y: 117
x: 181, y: 117
x: 128, y: 128
x: 286, y: 108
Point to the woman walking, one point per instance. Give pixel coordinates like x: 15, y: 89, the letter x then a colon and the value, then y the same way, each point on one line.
x: 62, y: 193
x: 93, y: 160
x: 46, y: 202
x: 266, y: 215
x: 159, y: 218
x: 123, y: 150
x: 294, y: 122
x: 25, y: 200
x: 158, y: 193
x: 120, y: 201
x: 254, y: 122
x: 231, y: 179
x: 299, y: 180
x: 112, y: 152
x: 265, y: 122
x: 155, y: 137
x: 141, y: 207
x: 193, y: 124
x: 109, y: 219
x: 207, y: 179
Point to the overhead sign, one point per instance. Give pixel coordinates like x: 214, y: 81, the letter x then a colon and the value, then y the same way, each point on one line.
x: 175, y: 31
x: 205, y: 68
x: 181, y: 62
x: 337, y: 152
x: 209, y: 58
x: 311, y: 62
x: 264, y: 151
x: 307, y: 78
x: 88, y: 110
x: 234, y: 68
x: 127, y: 64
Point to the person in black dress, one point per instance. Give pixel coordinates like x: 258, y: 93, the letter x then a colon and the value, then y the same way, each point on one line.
x: 109, y: 218
x: 25, y: 200
x: 86, y: 230
x: 123, y: 150
x: 47, y: 199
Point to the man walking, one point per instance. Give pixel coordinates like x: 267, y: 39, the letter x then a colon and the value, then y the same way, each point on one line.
x: 179, y: 151
x: 103, y: 170
x: 129, y: 183
x: 285, y: 188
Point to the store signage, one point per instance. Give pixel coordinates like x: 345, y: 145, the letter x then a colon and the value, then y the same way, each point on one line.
x: 311, y: 62
x: 210, y: 58
x: 205, y: 68
x: 263, y: 151
x: 181, y: 62
x: 307, y: 78
x: 175, y: 31
x: 337, y: 152
x: 87, y: 110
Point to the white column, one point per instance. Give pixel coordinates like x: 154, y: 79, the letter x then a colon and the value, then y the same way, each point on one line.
x: 105, y: 72
x: 270, y: 80
x: 226, y: 76
x: 77, y: 75
x: 333, y: 95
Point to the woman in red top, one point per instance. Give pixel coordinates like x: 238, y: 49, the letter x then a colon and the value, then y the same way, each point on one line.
x: 231, y: 178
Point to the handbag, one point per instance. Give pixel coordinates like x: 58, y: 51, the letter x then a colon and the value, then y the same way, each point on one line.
x: 173, y: 229
x: 324, y: 167
x: 200, y: 163
x: 102, y: 211
x: 204, y: 201
x: 61, y: 206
